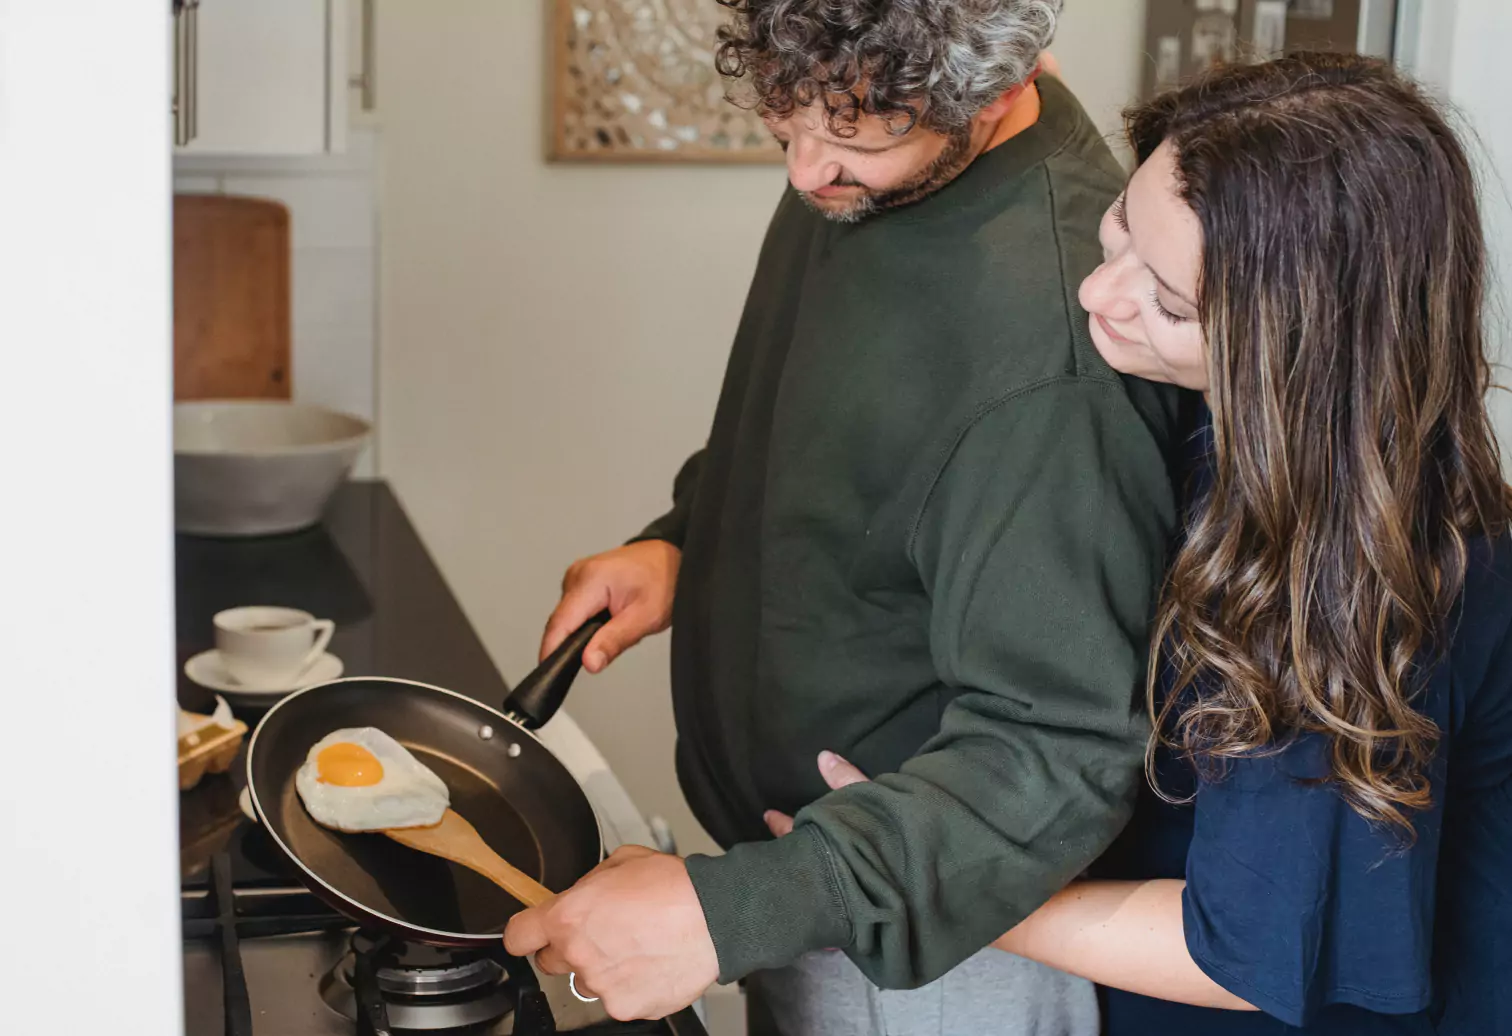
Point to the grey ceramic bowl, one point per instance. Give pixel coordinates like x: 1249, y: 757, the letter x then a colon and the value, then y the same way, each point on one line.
x: 256, y: 467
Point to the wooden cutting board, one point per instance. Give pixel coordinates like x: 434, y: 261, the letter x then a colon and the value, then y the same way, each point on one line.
x: 231, y: 321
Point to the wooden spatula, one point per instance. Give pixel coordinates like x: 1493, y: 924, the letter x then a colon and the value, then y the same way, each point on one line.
x: 456, y: 840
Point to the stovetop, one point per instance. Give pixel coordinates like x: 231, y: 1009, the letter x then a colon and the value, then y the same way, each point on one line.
x: 263, y: 956
x: 278, y: 961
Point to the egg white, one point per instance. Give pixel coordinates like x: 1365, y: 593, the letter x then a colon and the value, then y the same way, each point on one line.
x: 409, y: 794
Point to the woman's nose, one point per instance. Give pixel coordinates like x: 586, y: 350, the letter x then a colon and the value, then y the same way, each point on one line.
x: 1107, y: 291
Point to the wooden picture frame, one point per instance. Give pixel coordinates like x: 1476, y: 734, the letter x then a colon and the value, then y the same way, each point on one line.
x: 634, y: 81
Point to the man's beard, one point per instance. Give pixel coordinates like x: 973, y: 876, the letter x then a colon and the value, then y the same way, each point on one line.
x: 950, y: 163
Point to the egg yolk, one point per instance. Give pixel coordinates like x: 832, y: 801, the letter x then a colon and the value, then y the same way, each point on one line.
x: 348, y: 766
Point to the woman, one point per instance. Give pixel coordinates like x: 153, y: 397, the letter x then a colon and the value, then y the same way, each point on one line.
x: 1327, y: 843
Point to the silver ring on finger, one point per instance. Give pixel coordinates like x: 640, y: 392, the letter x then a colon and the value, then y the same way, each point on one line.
x: 572, y: 985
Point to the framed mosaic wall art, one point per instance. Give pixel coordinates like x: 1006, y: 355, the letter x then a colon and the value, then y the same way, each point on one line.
x: 634, y: 81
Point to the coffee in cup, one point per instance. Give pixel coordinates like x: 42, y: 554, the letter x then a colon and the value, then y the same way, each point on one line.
x: 270, y: 648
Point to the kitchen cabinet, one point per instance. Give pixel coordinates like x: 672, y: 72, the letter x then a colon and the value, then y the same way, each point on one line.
x: 268, y: 77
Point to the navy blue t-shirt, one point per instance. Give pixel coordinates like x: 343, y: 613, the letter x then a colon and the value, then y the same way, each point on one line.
x: 1324, y: 922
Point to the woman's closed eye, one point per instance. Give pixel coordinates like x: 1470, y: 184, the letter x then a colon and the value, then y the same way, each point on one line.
x: 1174, y: 318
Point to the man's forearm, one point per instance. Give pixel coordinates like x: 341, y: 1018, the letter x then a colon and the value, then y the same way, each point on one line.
x: 1123, y: 934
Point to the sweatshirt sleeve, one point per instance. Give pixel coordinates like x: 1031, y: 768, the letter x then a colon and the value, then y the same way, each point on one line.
x: 673, y: 526
x: 1041, y: 548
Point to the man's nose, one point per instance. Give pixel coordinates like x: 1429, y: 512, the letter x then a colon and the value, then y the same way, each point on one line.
x: 808, y: 167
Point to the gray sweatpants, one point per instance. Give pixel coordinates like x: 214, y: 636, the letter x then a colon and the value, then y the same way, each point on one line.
x: 992, y: 993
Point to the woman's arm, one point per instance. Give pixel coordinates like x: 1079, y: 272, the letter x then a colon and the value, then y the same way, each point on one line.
x: 1123, y: 934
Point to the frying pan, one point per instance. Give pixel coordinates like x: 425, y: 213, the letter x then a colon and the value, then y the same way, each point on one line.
x: 519, y: 796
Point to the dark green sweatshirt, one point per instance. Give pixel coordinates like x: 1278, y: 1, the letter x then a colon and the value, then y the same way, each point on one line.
x: 926, y: 533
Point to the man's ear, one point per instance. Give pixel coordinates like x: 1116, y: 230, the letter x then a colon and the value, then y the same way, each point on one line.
x: 999, y: 108
x: 995, y: 111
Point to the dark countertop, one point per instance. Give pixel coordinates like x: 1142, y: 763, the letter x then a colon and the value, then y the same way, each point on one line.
x: 365, y: 569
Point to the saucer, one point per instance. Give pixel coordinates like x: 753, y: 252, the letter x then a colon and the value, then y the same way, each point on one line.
x: 207, y: 670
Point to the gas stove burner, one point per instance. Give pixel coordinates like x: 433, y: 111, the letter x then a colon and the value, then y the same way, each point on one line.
x: 425, y: 988
x: 410, y: 969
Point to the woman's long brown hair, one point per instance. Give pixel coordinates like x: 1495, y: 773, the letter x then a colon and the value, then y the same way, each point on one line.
x: 1341, y: 297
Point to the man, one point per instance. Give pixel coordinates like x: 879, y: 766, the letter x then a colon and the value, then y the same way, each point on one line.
x: 925, y: 533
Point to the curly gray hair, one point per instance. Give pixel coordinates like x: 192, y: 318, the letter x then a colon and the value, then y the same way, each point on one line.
x: 934, y: 63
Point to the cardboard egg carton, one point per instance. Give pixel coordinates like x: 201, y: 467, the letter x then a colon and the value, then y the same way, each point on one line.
x: 207, y: 744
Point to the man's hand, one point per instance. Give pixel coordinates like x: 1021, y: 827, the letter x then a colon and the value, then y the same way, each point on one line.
x: 631, y: 929
x: 837, y: 773
x: 635, y: 583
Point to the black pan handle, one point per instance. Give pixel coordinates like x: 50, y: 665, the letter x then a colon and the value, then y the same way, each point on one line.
x: 537, y: 697
x: 532, y: 1014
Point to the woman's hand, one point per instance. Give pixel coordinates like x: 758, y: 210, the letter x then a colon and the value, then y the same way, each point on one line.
x: 1125, y: 934
x: 837, y: 773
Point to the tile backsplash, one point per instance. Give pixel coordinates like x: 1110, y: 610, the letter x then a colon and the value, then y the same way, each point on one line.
x: 333, y: 215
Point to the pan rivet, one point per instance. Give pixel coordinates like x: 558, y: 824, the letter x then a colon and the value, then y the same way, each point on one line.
x: 485, y: 732
x: 514, y: 750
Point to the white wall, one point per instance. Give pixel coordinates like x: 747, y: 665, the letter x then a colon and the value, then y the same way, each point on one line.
x: 552, y: 342
x: 553, y: 337
x: 88, y: 794
x: 1480, y: 81
x: 1101, y: 50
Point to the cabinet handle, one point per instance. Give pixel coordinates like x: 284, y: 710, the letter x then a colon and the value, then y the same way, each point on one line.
x: 191, y: 73
x: 367, y: 80
x: 179, y: 99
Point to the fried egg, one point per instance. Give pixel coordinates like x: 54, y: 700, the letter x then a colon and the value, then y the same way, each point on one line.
x: 360, y: 779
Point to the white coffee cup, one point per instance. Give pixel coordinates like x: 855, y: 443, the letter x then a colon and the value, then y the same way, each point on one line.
x: 270, y: 648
